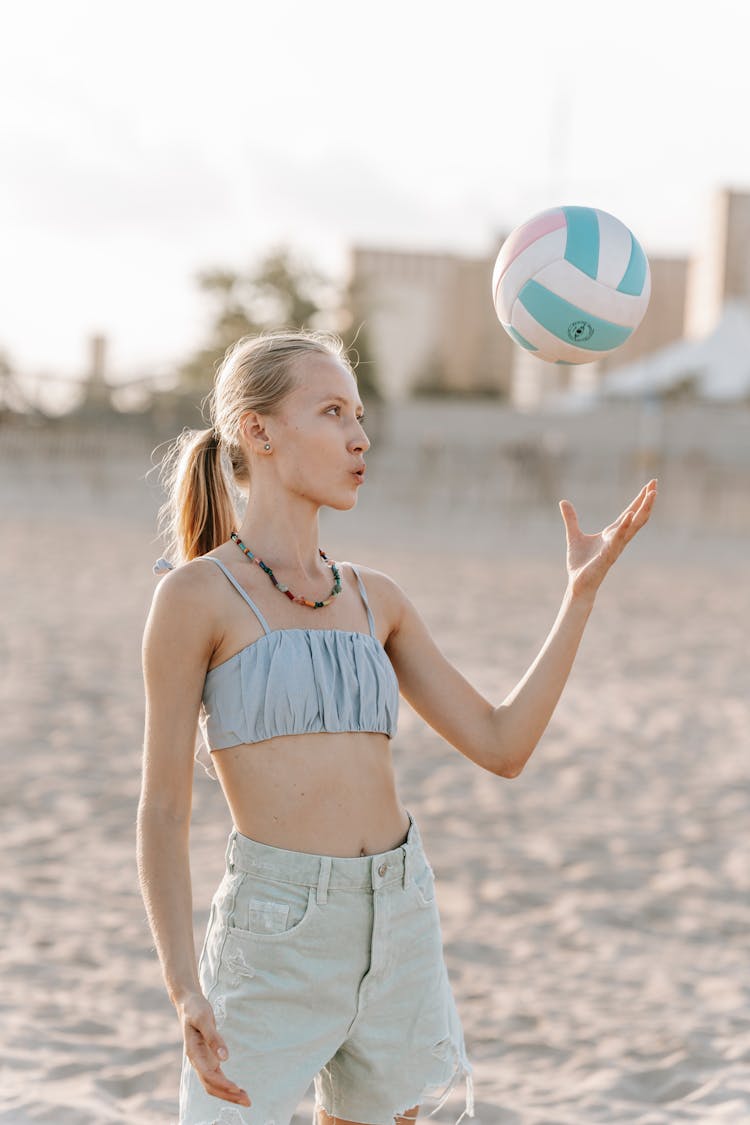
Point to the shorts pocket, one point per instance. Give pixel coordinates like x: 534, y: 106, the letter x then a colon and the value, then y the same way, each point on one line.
x: 423, y: 882
x: 269, y: 910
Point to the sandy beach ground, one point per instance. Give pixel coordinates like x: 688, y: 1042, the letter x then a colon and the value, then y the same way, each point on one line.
x: 595, y: 909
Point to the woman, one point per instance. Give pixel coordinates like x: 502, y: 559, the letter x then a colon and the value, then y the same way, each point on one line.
x: 323, y: 954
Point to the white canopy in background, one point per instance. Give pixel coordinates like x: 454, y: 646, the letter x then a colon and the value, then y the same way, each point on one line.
x: 717, y: 367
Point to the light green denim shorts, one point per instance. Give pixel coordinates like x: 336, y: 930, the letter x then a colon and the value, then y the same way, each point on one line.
x: 328, y: 968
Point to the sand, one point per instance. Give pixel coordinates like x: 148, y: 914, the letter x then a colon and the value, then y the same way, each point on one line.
x: 595, y: 909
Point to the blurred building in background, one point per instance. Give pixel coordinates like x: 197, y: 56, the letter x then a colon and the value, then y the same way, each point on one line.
x: 430, y: 322
x: 720, y: 270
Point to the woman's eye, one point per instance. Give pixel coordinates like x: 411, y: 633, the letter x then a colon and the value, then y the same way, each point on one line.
x: 360, y: 418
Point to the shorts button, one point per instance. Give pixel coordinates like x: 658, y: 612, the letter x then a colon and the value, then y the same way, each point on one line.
x: 382, y: 869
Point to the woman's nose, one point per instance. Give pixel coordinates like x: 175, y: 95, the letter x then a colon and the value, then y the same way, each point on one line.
x: 361, y: 441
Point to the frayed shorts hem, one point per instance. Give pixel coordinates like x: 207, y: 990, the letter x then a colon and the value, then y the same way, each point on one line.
x: 365, y: 1113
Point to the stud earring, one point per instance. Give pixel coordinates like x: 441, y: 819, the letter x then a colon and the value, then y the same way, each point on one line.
x: 267, y: 446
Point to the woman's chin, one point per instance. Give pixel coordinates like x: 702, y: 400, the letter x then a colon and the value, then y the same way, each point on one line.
x: 343, y: 505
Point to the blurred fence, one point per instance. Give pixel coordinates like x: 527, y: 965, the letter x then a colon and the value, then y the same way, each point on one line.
x: 438, y: 461
x: 481, y: 457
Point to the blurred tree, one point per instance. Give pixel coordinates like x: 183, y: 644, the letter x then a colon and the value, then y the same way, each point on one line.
x: 282, y: 292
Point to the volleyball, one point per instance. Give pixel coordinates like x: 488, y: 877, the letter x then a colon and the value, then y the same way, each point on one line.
x: 571, y: 284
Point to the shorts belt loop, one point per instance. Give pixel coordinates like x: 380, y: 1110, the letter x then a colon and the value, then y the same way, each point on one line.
x: 229, y: 854
x: 407, y: 871
x: 323, y: 878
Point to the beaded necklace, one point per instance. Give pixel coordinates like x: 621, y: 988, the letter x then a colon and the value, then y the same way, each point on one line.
x: 285, y: 589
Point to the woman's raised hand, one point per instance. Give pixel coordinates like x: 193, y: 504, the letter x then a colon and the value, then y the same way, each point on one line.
x: 202, y: 1046
x: 589, y: 557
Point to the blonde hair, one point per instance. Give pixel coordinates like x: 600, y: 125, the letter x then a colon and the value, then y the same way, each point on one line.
x: 256, y: 373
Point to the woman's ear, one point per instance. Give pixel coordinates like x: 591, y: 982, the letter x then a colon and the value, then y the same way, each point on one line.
x: 252, y: 428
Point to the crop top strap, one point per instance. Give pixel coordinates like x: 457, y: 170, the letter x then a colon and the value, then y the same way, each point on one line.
x: 235, y: 583
x: 363, y: 592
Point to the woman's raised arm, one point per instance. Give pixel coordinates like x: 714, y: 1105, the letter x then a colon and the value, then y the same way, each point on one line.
x: 501, y: 738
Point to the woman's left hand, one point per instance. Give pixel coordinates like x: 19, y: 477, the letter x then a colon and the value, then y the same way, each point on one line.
x: 590, y: 556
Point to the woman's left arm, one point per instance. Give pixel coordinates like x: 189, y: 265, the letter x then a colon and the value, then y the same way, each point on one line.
x: 501, y: 739
x: 522, y: 717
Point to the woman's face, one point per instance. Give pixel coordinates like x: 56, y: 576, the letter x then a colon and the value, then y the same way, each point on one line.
x: 317, y: 438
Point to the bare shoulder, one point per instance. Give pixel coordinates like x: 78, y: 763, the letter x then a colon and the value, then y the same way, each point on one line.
x: 386, y: 597
x: 184, y: 608
x: 186, y: 585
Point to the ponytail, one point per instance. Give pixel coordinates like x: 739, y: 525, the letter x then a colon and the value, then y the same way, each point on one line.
x: 199, y: 511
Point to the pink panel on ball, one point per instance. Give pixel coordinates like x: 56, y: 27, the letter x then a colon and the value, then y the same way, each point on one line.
x: 523, y: 236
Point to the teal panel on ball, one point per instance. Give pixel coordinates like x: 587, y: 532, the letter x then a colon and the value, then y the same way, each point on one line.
x: 582, y: 246
x: 568, y: 322
x: 519, y: 338
x: 634, y: 277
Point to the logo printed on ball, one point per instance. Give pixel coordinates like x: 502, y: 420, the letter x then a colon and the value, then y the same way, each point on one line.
x: 580, y: 330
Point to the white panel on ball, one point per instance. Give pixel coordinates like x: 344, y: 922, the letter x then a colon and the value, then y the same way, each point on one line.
x: 547, y: 249
x: 569, y: 283
x: 615, y: 243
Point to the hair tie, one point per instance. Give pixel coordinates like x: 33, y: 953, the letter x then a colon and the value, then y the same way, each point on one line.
x: 162, y: 565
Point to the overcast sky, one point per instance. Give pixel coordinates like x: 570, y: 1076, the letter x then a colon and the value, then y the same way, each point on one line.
x: 144, y: 141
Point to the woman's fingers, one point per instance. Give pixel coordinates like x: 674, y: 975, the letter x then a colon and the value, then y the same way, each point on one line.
x: 643, y: 510
x: 640, y: 503
x: 217, y: 1084
x: 633, y: 505
x: 621, y: 519
x: 205, y: 1049
x: 569, y: 516
x: 638, y: 512
x: 637, y: 505
x: 213, y: 1078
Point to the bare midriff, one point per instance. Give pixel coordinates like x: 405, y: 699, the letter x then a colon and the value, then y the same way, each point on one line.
x: 329, y: 794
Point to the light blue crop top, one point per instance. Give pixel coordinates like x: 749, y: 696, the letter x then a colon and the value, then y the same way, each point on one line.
x: 297, y: 681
